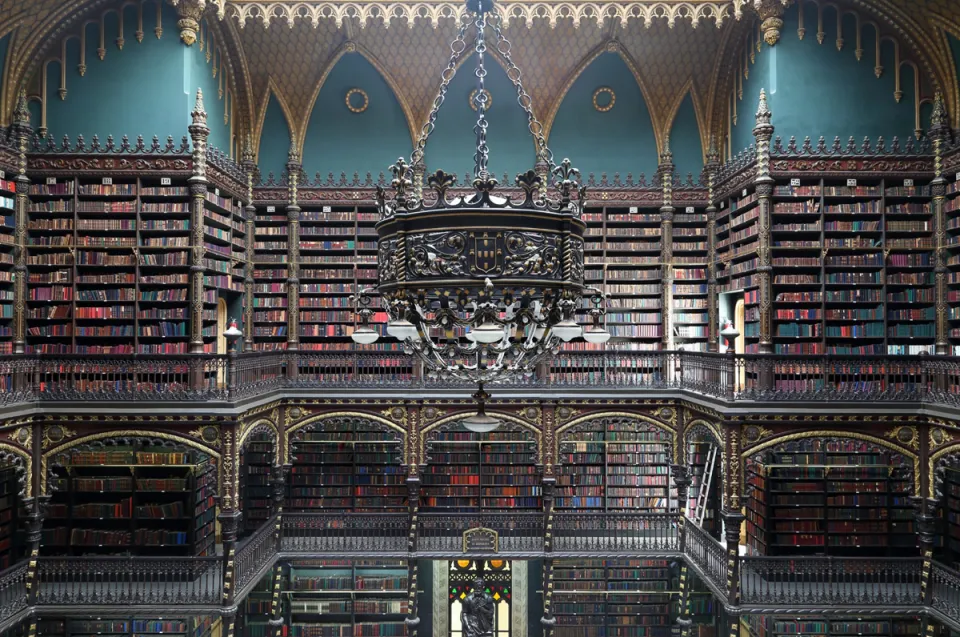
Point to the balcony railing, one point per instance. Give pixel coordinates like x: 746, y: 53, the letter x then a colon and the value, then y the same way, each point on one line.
x: 517, y: 532
x: 707, y: 554
x: 345, y: 533
x: 616, y: 532
x: 839, y: 581
x: 736, y: 378
x: 255, y: 553
x: 71, y: 581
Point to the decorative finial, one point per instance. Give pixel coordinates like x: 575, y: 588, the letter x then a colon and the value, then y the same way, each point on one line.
x: 770, y: 13
x: 666, y: 157
x: 938, y: 119
x: 247, y: 157
x: 190, y: 13
x: 713, y: 155
x: 293, y: 155
x: 763, y: 111
x: 21, y: 114
x: 199, y: 113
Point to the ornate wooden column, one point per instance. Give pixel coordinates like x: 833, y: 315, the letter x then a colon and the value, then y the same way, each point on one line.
x: 249, y: 215
x: 293, y: 254
x: 939, y: 130
x: 681, y: 478
x: 199, y: 131
x: 732, y: 515
x: 21, y: 133
x: 713, y: 326
x: 278, y: 485
x: 763, y: 132
x: 275, y: 623
x: 683, y: 620
x: 666, y: 243
x: 549, y: 415
x: 35, y: 505
x: 229, y: 516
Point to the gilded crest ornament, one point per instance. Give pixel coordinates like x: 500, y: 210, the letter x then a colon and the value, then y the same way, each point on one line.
x: 939, y: 437
x: 908, y: 436
x: 55, y: 434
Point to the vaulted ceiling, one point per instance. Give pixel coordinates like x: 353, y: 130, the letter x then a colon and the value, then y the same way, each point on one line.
x: 673, y: 47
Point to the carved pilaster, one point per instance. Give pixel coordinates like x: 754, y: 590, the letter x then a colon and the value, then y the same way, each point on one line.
x: 939, y: 131
x: 666, y: 242
x: 549, y: 492
x: 293, y: 250
x: 926, y: 524
x: 763, y: 132
x: 20, y: 132
x: 713, y: 326
x: 199, y: 131
x: 249, y: 216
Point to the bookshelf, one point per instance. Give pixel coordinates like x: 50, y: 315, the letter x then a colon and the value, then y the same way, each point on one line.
x: 613, y: 598
x: 952, y: 216
x: 132, y: 499
x: 256, y: 464
x: 951, y: 514
x: 10, y: 540
x: 224, y: 244
x: 615, y: 465
x: 469, y: 472
x: 832, y: 497
x: 689, y: 321
x: 270, y: 276
x: 738, y: 232
x: 257, y: 609
x: 807, y: 626
x: 351, y: 464
x: 343, y: 598
x: 631, y: 275
x: 8, y: 226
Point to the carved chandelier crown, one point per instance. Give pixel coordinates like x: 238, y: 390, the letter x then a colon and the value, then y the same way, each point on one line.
x: 481, y: 287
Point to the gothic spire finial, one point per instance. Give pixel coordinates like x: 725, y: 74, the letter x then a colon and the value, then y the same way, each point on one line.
x: 293, y: 155
x: 199, y: 113
x: 713, y: 155
x: 666, y: 157
x: 763, y: 111
x: 938, y: 119
x: 21, y: 114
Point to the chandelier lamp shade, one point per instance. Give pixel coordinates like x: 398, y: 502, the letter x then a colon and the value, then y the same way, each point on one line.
x: 482, y: 287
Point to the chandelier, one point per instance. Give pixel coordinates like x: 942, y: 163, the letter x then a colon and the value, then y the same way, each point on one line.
x: 482, y: 287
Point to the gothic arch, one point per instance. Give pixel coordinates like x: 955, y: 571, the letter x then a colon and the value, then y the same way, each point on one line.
x: 319, y: 418
x: 261, y: 426
x: 691, y: 90
x: 610, y: 46
x: 571, y: 426
x: 45, y: 458
x: 271, y: 90
x: 352, y: 47
x: 23, y: 463
x: 448, y: 420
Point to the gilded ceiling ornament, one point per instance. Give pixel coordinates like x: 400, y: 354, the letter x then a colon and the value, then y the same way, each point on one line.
x: 604, y: 90
x: 905, y: 435
x: 363, y: 106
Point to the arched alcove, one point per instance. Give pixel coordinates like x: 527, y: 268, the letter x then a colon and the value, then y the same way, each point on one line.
x: 366, y: 134
x: 274, y: 140
x: 620, y: 139
x: 685, y: 140
x: 453, y: 143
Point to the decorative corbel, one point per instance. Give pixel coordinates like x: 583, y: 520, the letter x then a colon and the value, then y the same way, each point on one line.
x: 770, y: 13
x: 189, y: 13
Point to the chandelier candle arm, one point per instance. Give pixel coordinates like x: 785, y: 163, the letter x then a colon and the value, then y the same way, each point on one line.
x: 482, y: 287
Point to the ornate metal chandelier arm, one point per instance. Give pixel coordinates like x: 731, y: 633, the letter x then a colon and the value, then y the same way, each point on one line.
x: 544, y: 153
x: 482, y: 155
x: 457, y: 47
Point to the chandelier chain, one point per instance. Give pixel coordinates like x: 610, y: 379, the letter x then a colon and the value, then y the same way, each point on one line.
x: 544, y: 153
x: 482, y: 156
x: 457, y: 47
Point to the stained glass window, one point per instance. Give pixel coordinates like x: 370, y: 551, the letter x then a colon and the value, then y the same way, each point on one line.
x: 497, y: 584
